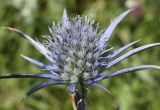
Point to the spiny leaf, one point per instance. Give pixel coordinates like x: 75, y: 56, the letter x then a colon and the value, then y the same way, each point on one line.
x: 36, y: 44
x: 40, y: 64
x: 42, y: 85
x: 129, y: 53
x: 126, y: 70
x: 101, y: 87
x: 64, y: 18
x: 116, y: 52
x: 107, y: 34
x: 26, y: 75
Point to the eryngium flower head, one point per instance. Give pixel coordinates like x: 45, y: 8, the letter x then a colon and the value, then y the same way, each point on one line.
x: 77, y: 53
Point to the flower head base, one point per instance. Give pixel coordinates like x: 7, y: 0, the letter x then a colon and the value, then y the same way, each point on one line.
x: 76, y: 53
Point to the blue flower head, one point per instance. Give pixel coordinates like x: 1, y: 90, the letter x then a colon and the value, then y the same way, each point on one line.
x: 78, y: 53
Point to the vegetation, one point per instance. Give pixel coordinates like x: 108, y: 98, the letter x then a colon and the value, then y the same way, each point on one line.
x: 134, y: 91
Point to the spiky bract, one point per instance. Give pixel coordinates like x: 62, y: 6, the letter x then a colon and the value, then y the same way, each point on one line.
x: 77, y: 53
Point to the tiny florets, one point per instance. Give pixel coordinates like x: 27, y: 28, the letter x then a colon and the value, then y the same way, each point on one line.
x: 73, y: 48
x: 78, y: 53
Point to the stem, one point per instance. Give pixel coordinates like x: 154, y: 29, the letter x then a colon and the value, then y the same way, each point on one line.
x: 79, y: 100
x: 73, y: 102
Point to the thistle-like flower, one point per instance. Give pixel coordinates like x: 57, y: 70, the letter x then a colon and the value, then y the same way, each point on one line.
x: 78, y: 55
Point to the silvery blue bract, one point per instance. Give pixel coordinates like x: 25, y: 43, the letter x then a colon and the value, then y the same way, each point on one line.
x: 76, y: 54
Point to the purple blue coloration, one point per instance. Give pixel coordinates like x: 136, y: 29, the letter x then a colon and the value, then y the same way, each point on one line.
x: 76, y: 54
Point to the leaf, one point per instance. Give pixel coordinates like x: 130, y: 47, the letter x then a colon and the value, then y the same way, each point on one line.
x: 64, y: 18
x: 126, y: 70
x: 44, y: 66
x: 40, y: 75
x: 36, y: 44
x: 101, y: 87
x: 107, y: 34
x: 105, y: 51
x: 129, y: 53
x: 118, y: 51
x: 42, y: 85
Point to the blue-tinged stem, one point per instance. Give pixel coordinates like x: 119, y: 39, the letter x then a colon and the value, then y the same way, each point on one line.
x: 79, y: 99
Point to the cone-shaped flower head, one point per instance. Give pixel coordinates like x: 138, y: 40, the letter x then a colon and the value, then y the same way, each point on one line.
x: 76, y: 51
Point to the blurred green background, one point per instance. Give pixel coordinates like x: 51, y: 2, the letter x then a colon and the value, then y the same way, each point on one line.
x: 134, y: 91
